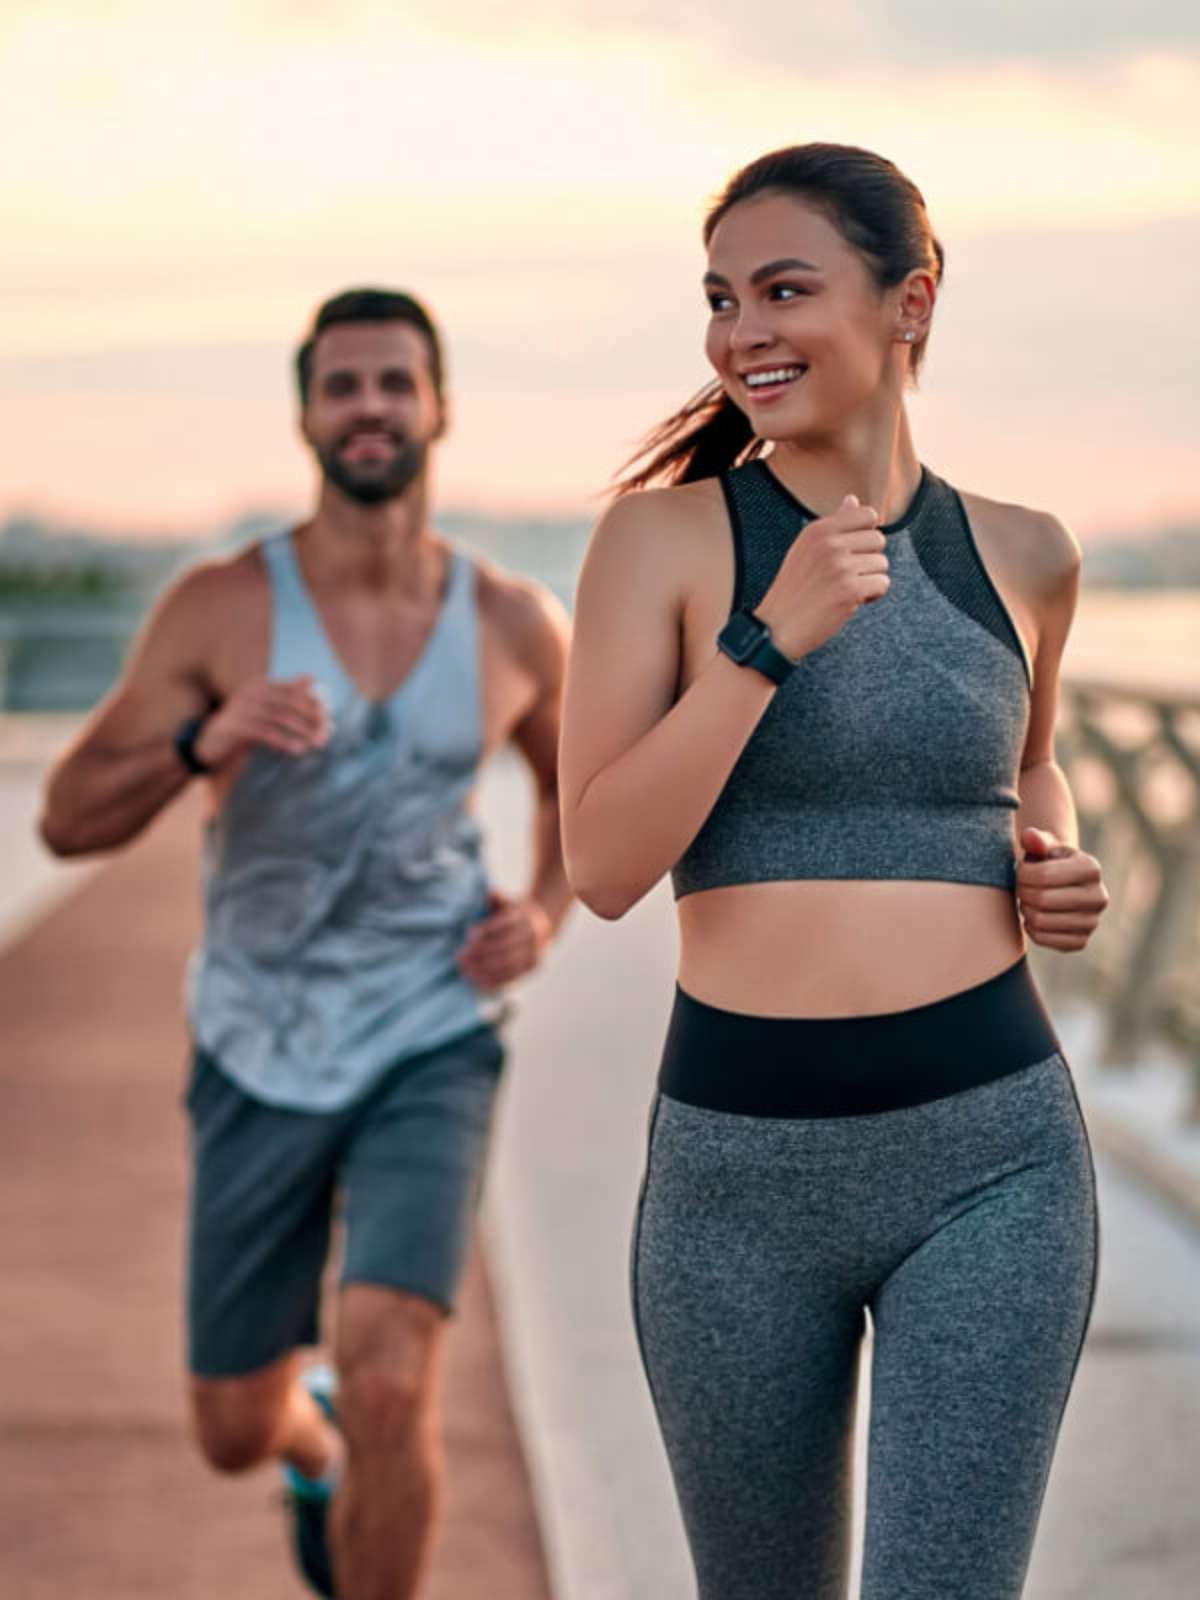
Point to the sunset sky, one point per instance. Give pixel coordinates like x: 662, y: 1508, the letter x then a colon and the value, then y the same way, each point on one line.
x: 182, y: 182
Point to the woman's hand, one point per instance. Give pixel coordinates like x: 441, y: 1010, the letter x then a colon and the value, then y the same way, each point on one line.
x: 1060, y: 891
x: 835, y: 565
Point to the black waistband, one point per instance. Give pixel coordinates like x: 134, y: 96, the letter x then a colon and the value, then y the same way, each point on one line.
x: 851, y: 1066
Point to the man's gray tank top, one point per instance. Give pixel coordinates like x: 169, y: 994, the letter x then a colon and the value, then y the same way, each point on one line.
x: 893, y: 750
x: 339, y: 885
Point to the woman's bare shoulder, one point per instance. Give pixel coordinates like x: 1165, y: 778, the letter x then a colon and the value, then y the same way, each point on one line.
x: 1034, y: 546
x: 669, y: 523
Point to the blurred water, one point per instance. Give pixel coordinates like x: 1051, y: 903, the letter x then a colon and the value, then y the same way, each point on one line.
x: 1146, y: 638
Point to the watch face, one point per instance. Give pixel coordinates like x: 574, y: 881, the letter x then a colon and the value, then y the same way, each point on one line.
x: 741, y: 635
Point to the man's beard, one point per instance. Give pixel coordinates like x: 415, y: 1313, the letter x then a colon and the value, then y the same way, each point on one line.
x: 372, y: 483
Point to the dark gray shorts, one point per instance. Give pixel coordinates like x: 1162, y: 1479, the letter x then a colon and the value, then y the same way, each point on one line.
x: 405, y: 1165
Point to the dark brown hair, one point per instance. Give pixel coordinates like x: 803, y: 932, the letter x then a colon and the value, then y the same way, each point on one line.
x: 370, y: 305
x: 875, y: 208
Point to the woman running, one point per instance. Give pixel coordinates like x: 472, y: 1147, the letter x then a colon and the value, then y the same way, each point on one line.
x: 819, y: 685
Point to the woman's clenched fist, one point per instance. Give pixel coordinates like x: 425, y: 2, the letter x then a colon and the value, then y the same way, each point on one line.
x: 835, y: 565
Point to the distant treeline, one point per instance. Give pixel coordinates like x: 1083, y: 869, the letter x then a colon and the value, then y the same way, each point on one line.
x: 88, y: 582
x: 1168, y: 560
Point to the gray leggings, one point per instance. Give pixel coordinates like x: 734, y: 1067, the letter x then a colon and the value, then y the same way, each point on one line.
x: 966, y: 1226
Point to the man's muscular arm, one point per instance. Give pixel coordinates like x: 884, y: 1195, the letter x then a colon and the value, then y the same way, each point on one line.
x: 536, y: 737
x: 509, y: 942
x: 123, y: 768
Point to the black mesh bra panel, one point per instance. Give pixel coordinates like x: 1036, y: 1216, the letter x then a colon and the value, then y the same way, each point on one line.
x: 733, y: 506
x: 755, y: 501
x: 946, y: 549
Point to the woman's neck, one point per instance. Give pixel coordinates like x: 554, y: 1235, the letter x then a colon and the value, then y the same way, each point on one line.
x: 878, y: 463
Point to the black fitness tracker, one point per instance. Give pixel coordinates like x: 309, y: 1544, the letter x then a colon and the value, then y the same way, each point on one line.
x: 746, y: 639
x: 185, y: 738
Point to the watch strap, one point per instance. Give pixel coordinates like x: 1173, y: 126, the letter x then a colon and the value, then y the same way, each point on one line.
x: 771, y: 662
x: 763, y: 655
x: 184, y: 740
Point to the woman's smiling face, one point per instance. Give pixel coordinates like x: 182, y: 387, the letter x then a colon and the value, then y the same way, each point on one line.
x: 801, y: 335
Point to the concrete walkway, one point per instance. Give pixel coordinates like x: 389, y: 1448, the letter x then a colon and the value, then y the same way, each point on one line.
x: 103, y: 1496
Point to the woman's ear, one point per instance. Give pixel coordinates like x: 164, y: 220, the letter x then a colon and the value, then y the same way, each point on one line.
x: 915, y: 300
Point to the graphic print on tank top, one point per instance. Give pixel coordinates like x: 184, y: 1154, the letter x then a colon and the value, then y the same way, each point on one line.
x: 340, y: 884
x: 893, y: 750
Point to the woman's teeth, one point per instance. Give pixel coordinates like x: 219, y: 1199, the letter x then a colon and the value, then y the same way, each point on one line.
x: 764, y: 380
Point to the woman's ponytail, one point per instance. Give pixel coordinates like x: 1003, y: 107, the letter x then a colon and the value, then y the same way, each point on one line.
x: 705, y: 437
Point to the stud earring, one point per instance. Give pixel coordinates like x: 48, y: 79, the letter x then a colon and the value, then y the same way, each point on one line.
x: 909, y: 336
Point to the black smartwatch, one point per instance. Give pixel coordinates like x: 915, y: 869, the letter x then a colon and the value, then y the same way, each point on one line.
x: 186, y: 735
x: 746, y: 639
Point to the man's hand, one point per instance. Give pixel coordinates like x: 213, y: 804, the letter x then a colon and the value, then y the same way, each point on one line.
x: 286, y: 714
x: 506, y: 944
x: 1060, y: 891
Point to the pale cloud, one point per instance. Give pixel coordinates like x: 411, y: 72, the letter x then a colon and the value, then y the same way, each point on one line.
x: 853, y: 34
x: 162, y: 150
x: 1066, y: 32
x: 1066, y: 35
x: 189, y: 182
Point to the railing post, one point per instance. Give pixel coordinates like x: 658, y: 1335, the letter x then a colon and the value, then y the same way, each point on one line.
x: 1145, y: 962
x: 1133, y: 1015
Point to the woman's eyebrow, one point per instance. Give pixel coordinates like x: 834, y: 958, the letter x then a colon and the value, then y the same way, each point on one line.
x: 785, y: 264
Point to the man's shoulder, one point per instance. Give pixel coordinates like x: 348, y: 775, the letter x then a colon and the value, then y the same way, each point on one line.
x: 210, y: 610
x: 218, y: 581
x: 526, y: 616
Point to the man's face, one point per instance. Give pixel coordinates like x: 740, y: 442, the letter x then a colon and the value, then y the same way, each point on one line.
x: 372, y: 409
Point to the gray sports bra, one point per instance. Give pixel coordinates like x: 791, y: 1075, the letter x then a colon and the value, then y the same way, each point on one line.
x: 893, y: 750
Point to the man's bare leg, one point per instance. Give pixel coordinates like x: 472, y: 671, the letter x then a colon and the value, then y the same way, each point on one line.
x: 388, y: 1358
x: 242, y: 1421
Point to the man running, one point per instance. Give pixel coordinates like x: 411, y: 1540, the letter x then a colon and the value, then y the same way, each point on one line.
x: 339, y: 686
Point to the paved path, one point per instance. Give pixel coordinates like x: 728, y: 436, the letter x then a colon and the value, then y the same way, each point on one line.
x: 103, y: 1497
x: 31, y: 881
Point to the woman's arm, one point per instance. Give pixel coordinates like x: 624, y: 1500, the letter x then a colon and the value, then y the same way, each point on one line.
x: 641, y: 765
x: 1060, y: 888
x: 639, y: 771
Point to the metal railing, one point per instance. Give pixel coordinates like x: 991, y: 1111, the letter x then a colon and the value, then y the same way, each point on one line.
x: 63, y: 657
x: 1133, y: 760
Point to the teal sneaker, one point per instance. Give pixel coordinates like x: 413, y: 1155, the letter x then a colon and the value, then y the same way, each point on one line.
x: 307, y: 1499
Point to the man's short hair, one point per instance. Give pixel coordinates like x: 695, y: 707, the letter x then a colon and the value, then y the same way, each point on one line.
x: 370, y: 305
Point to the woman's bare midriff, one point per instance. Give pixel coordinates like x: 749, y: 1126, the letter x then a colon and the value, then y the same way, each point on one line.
x: 837, y: 948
